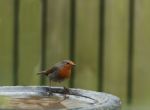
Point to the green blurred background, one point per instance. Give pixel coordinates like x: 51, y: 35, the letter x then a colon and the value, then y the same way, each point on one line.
x: 116, y: 45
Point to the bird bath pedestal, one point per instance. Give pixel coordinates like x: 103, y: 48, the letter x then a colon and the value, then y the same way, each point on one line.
x: 39, y: 98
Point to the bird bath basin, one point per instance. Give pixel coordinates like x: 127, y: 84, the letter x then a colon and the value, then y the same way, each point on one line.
x: 37, y: 98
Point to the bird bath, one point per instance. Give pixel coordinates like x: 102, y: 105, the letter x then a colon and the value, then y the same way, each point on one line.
x: 37, y: 98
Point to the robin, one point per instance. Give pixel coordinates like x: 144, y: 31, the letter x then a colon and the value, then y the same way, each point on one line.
x: 59, y: 72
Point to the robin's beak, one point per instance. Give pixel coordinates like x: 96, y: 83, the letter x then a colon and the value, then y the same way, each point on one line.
x: 72, y: 63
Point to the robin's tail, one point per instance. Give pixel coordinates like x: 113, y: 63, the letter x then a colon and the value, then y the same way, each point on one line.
x: 42, y: 73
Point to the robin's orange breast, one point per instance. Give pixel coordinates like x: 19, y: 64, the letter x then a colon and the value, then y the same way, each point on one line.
x: 65, y: 72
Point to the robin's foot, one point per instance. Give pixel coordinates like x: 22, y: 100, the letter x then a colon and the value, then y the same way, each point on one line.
x: 66, y: 90
x: 48, y: 91
x: 66, y: 96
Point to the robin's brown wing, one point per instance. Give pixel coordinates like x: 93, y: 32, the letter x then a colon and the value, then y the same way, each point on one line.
x: 51, y: 70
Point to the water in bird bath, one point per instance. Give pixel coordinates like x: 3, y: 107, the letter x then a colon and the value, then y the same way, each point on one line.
x: 40, y: 103
x: 32, y: 103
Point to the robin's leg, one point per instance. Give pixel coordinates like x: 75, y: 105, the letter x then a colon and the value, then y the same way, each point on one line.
x: 66, y: 91
x: 50, y: 83
x: 49, y: 91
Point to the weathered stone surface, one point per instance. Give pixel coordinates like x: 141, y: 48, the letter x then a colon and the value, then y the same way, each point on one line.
x: 39, y: 97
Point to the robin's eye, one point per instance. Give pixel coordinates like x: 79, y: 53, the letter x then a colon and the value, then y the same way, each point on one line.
x: 68, y: 63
